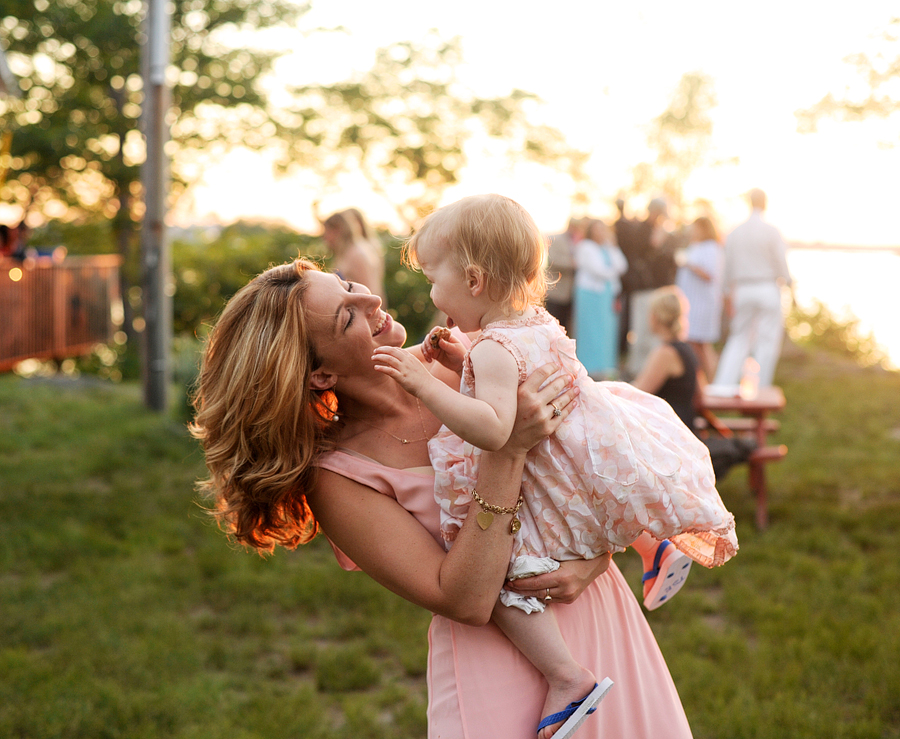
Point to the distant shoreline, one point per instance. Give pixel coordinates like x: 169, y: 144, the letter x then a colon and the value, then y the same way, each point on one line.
x: 840, y: 247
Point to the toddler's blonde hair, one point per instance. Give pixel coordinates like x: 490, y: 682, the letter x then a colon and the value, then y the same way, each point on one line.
x: 669, y: 306
x: 495, y: 235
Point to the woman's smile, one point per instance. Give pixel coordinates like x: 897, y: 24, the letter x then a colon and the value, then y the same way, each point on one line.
x: 384, y: 324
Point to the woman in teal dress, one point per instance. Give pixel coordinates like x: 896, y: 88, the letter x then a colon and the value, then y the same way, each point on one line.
x: 600, y: 265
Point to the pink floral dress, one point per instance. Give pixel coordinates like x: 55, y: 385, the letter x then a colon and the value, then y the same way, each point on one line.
x: 621, y: 463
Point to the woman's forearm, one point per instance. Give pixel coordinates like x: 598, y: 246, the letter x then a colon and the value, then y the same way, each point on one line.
x: 475, y: 568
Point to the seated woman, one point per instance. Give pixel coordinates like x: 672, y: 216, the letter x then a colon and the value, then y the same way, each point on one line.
x: 301, y: 432
x: 672, y: 373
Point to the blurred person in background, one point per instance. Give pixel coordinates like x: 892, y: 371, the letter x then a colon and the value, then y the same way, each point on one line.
x: 641, y: 279
x: 623, y: 228
x: 561, y: 266
x: 700, y: 279
x: 358, y: 254
x: 755, y: 269
x: 672, y: 373
x: 599, y: 267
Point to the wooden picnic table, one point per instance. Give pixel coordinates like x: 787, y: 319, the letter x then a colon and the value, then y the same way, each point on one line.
x: 754, y: 420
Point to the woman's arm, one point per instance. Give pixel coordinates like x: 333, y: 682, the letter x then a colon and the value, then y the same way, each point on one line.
x: 705, y: 261
x: 387, y: 543
x: 700, y: 272
x: 620, y: 263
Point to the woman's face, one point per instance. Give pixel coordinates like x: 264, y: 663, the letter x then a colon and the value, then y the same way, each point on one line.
x: 597, y: 233
x: 331, y: 236
x: 346, y: 323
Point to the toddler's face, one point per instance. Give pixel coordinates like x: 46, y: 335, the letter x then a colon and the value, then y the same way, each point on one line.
x: 450, y: 290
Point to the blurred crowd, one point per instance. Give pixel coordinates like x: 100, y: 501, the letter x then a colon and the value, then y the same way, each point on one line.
x: 607, y: 277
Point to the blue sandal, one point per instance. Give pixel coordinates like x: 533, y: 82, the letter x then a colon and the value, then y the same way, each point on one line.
x: 670, y: 570
x: 575, y: 713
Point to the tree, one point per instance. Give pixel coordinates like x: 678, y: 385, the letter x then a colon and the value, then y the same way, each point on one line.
x: 405, y: 125
x: 880, y: 74
x: 76, y: 147
x: 681, y: 136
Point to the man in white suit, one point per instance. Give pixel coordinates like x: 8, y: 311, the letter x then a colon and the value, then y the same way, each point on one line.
x: 755, y: 269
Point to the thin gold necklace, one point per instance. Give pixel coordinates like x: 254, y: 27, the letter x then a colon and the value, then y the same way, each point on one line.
x: 425, y: 435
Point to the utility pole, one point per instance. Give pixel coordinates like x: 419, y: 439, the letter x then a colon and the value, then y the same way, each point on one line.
x: 155, y: 260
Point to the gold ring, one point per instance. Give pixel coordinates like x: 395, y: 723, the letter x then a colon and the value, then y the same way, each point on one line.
x: 556, y: 411
x: 547, y: 597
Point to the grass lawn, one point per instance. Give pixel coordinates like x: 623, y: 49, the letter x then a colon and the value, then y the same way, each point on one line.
x: 124, y: 612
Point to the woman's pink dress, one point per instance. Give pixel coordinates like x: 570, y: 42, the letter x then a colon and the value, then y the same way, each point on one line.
x: 621, y: 463
x: 481, y: 687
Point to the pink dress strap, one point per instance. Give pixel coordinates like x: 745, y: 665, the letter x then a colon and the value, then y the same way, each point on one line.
x: 412, y: 488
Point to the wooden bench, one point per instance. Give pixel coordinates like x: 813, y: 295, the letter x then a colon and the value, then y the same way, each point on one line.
x: 760, y: 457
x: 748, y: 418
x: 741, y: 425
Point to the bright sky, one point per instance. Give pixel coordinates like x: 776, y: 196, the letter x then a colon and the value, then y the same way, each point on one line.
x: 605, y: 70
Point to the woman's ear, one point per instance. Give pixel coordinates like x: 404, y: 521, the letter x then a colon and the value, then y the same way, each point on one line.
x: 321, y: 380
x: 475, y: 280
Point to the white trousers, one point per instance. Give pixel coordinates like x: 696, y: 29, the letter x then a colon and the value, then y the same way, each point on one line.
x: 757, y: 330
x: 641, y: 340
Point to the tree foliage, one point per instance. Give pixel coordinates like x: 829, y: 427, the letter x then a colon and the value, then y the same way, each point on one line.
x: 212, y: 264
x: 816, y: 325
x: 681, y: 136
x: 879, y: 72
x: 406, y: 122
x: 76, y: 151
x: 77, y: 148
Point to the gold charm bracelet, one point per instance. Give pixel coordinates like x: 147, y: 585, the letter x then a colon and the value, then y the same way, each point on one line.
x: 486, y: 517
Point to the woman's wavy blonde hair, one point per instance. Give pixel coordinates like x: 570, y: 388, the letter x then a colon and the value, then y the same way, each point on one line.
x: 259, y: 423
x: 497, y: 236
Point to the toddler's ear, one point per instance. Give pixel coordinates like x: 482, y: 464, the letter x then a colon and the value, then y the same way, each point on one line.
x: 475, y: 280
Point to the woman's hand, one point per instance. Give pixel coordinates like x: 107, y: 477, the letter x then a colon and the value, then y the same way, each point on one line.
x: 565, y: 584
x: 541, y: 408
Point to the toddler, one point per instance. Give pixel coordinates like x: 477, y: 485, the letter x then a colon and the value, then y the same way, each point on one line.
x: 622, y: 465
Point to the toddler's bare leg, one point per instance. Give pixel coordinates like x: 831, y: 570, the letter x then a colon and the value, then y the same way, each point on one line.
x: 646, y: 545
x: 537, y: 636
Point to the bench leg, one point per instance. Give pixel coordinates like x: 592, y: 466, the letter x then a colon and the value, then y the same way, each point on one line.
x: 758, y: 486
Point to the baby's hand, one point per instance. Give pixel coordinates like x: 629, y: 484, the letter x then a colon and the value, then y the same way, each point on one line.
x: 443, y: 346
x: 403, y: 367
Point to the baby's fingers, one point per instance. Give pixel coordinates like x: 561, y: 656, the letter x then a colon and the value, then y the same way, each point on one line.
x: 385, y: 358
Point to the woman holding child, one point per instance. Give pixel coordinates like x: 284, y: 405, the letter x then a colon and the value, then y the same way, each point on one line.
x: 301, y: 433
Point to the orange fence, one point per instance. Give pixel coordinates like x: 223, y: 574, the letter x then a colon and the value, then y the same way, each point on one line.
x: 54, y: 310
